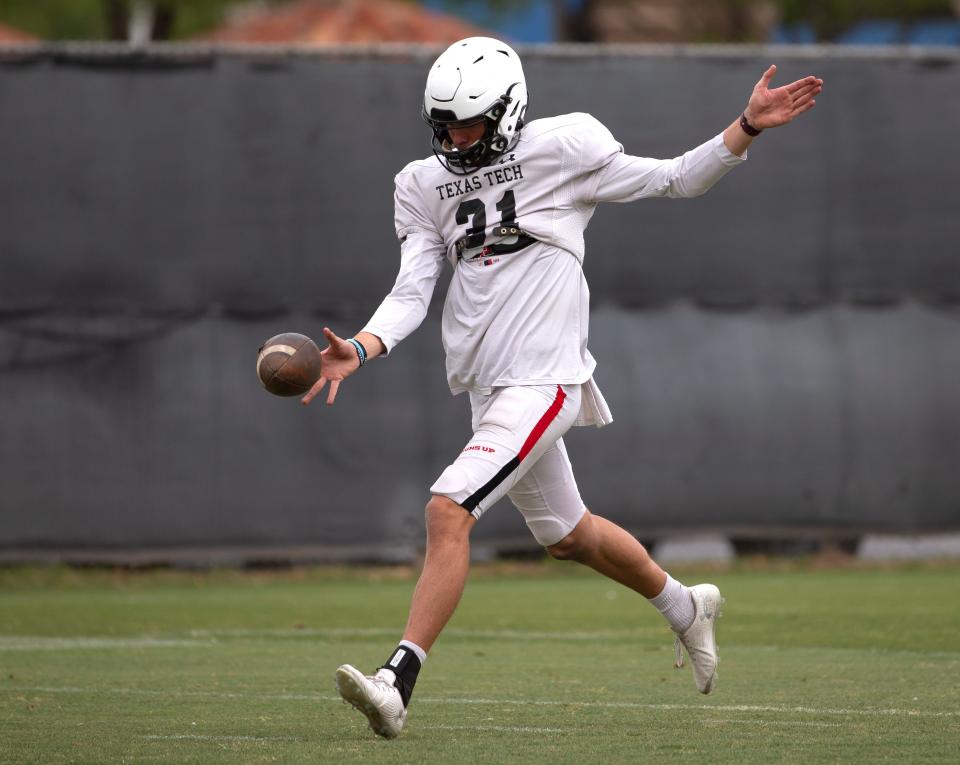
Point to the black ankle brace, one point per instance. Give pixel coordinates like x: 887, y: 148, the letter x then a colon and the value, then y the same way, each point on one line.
x: 405, y: 664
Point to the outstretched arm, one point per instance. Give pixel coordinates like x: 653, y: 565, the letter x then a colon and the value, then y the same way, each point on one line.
x: 339, y: 360
x: 400, y: 313
x: 772, y: 108
x: 626, y: 178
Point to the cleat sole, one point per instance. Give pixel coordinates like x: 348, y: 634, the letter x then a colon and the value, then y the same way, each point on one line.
x: 353, y: 694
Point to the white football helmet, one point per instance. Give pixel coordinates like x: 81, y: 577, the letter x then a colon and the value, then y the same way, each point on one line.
x: 475, y: 79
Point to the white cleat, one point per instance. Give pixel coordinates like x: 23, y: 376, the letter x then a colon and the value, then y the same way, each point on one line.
x: 375, y: 696
x: 700, y: 637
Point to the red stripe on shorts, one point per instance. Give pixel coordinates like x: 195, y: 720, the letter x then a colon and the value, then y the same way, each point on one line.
x: 538, y: 430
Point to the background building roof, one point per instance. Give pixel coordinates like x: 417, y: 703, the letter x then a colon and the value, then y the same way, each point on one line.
x: 343, y: 21
x: 12, y: 35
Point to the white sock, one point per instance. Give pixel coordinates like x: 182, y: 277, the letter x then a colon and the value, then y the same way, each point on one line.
x: 421, y: 654
x: 676, y: 604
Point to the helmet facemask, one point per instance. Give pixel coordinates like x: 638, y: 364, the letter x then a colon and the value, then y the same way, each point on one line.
x: 485, y: 149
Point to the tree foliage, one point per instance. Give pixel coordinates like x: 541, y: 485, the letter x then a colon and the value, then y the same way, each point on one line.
x: 107, y: 19
x: 830, y: 18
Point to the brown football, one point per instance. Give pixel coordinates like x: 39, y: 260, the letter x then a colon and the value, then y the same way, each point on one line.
x: 288, y: 364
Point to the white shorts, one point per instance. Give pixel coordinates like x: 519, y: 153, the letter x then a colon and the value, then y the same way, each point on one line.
x: 517, y: 450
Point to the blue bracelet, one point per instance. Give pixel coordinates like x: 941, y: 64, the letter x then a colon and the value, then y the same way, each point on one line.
x: 361, y: 351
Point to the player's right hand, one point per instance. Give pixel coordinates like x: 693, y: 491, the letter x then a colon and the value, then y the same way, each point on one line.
x: 338, y: 361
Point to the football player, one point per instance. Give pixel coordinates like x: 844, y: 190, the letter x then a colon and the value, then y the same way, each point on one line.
x: 506, y: 202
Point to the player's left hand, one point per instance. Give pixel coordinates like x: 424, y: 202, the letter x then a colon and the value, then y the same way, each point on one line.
x: 772, y: 108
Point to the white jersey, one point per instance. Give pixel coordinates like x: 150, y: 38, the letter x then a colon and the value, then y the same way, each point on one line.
x: 521, y: 318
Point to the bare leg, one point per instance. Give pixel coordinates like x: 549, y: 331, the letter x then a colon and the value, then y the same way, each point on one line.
x: 609, y: 549
x: 444, y: 574
x: 383, y: 698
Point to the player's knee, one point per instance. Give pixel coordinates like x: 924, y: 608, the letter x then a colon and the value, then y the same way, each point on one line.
x: 577, y: 545
x: 567, y: 548
x: 572, y: 547
x: 446, y: 520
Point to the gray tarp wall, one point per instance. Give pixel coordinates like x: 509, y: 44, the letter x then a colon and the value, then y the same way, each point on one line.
x: 782, y: 353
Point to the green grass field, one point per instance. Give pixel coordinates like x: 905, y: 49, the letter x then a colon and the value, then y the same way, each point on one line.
x: 542, y: 664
